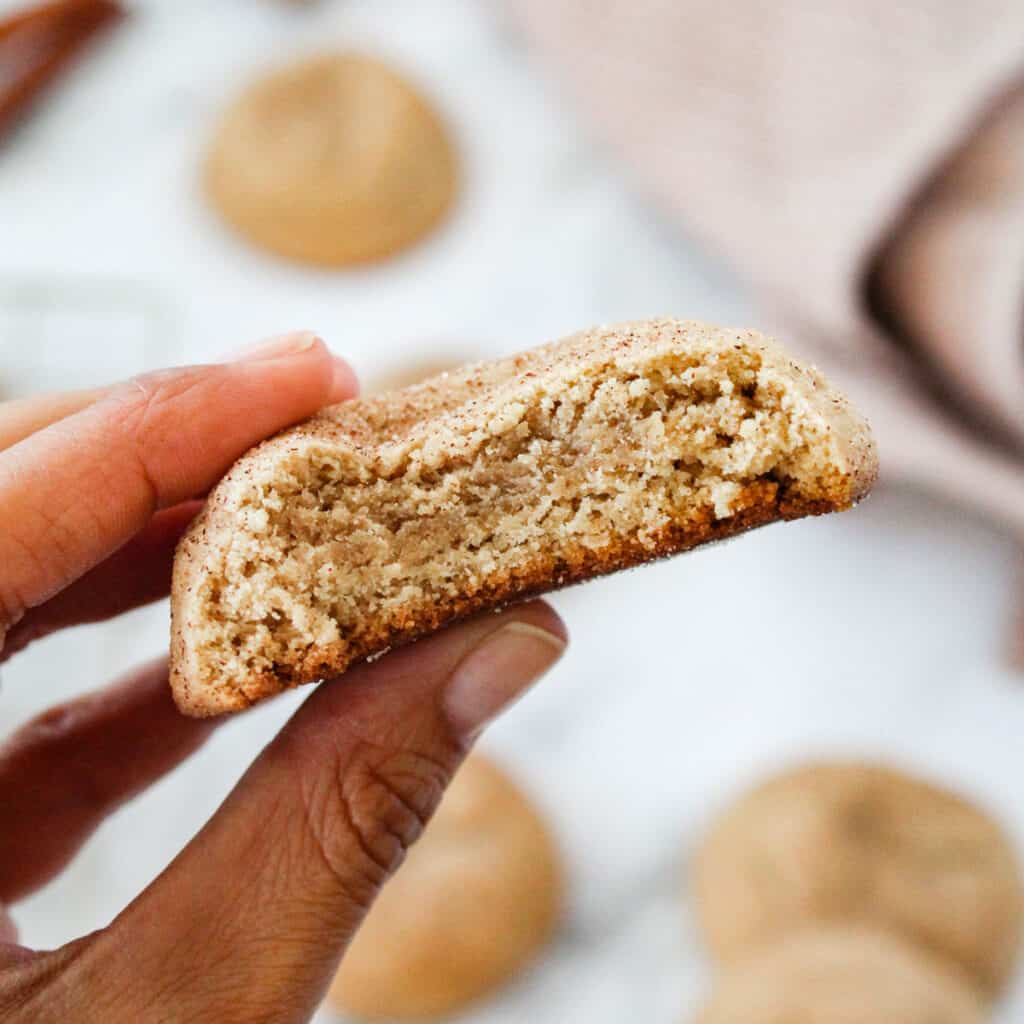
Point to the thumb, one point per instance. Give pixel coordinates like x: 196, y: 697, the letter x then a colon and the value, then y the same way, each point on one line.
x: 250, y: 921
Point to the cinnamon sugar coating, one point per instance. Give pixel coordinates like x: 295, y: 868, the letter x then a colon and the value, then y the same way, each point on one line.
x: 382, y: 519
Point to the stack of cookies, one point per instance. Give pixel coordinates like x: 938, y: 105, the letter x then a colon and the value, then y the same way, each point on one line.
x: 846, y: 892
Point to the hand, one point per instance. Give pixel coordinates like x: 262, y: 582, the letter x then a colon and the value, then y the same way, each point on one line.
x: 249, y: 922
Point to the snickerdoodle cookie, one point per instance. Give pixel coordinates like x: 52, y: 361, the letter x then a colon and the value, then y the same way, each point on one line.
x: 853, y: 842
x: 387, y: 517
x: 334, y: 160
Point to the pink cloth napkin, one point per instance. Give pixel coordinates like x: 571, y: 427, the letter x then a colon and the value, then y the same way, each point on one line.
x: 862, y: 165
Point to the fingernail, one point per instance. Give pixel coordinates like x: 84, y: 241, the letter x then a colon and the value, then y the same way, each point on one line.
x: 276, y: 348
x: 344, y: 383
x: 496, y: 673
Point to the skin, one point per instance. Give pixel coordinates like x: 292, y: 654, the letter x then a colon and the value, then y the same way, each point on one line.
x: 250, y: 921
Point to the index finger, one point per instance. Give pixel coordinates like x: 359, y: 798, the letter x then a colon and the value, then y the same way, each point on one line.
x: 74, y: 492
x: 22, y: 417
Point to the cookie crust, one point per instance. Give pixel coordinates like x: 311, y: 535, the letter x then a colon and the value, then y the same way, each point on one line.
x: 385, y: 518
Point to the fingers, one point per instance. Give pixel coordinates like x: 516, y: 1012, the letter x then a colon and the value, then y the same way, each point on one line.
x: 271, y: 890
x: 134, y: 575
x: 65, y: 771
x: 75, y: 492
x: 24, y: 416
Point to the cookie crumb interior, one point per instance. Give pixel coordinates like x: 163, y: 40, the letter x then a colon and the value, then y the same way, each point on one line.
x: 565, y: 471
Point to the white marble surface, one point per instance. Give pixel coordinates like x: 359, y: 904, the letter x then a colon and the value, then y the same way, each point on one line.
x: 878, y: 632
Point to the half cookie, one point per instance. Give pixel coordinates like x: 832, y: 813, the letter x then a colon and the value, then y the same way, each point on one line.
x: 382, y: 519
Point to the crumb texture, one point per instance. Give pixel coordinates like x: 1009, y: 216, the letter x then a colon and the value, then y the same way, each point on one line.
x: 384, y: 518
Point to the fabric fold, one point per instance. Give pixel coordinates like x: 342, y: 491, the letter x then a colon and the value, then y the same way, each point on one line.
x: 862, y: 166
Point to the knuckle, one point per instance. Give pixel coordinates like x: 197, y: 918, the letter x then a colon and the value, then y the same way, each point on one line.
x: 35, y: 986
x: 147, y: 396
x: 48, y: 726
x: 58, y: 734
x: 371, y: 809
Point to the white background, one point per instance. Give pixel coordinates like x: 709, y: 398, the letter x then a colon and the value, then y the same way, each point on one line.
x: 878, y: 632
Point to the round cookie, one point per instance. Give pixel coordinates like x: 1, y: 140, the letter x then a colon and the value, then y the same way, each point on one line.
x: 477, y: 898
x: 332, y: 161
x: 860, y: 842
x: 837, y: 975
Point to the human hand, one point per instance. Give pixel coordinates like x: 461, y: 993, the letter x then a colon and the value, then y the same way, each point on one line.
x: 249, y: 922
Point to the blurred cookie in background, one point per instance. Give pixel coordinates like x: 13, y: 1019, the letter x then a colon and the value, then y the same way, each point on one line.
x: 335, y: 160
x: 841, y: 975
x: 847, y: 842
x: 476, y: 900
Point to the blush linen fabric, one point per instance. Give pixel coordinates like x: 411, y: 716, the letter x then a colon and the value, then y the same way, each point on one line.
x: 862, y: 165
